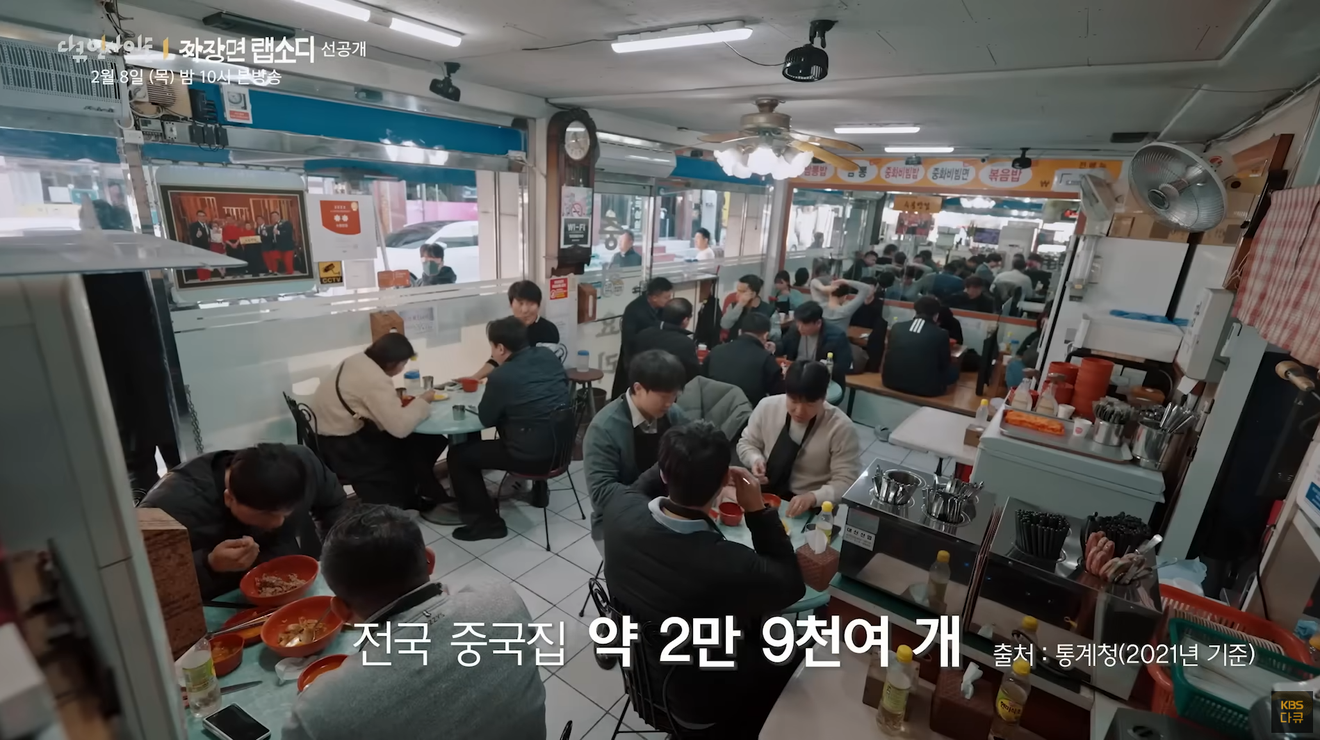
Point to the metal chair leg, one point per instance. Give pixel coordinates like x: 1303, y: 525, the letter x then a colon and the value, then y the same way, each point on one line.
x: 576, y: 498
x: 583, y: 611
x: 617, y: 725
x: 545, y: 511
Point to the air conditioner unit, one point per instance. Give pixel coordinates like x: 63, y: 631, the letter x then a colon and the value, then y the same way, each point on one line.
x: 631, y: 160
x: 42, y: 78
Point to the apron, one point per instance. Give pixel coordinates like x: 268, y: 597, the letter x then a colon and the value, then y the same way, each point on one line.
x: 779, y: 463
x: 368, y: 454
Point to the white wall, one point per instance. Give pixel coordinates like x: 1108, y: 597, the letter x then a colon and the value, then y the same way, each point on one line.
x: 1295, y: 119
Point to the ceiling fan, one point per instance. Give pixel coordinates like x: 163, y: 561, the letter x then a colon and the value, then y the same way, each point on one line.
x: 772, y: 129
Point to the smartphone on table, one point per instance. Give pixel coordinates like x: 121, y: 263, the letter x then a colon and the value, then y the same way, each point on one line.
x: 232, y: 723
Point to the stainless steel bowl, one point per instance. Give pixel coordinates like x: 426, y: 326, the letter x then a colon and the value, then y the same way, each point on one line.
x: 896, y: 487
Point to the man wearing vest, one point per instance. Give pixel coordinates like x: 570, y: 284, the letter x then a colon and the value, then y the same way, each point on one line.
x: 917, y: 360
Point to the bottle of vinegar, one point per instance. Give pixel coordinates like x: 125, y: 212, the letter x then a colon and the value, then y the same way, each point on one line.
x: 199, y: 679
x: 893, y: 700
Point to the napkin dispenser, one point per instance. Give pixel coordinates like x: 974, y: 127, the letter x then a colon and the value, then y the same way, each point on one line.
x: 891, y: 547
x: 1082, y: 621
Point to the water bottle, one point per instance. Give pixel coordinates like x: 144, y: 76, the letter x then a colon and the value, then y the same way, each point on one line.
x: 829, y: 363
x: 825, y: 522
x: 583, y: 360
x: 199, y: 679
x: 983, y: 411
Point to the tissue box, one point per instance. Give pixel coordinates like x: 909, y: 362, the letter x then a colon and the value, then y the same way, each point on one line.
x: 818, y: 568
x: 169, y: 554
x: 963, y: 719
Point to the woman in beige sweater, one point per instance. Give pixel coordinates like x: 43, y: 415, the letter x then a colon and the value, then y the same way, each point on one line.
x: 366, y: 436
x: 801, y: 448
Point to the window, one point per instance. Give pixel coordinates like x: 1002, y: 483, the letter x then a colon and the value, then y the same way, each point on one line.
x: 442, y: 217
x: 47, y: 195
x: 618, y: 226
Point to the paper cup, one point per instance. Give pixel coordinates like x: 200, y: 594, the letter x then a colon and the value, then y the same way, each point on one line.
x: 1066, y: 411
x: 1081, y: 428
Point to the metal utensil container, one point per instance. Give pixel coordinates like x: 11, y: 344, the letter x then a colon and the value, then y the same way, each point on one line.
x: 1153, y: 446
x: 945, y: 506
x: 896, y: 487
x: 1108, y: 433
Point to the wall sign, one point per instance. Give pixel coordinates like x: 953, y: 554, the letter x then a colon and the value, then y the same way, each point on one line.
x: 330, y: 273
x: 995, y: 175
x: 343, y: 227
x: 238, y: 103
x: 918, y: 203
x: 575, y: 217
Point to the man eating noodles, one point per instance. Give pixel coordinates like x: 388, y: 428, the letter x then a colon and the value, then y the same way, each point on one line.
x: 247, y: 507
x: 418, y: 677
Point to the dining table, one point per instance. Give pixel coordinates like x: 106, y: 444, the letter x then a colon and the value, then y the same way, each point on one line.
x: 443, y: 421
x: 797, y: 535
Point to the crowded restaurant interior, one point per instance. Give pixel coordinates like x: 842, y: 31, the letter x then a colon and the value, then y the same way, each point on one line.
x: 523, y: 371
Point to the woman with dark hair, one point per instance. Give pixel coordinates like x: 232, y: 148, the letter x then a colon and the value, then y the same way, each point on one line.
x: 801, y: 277
x: 800, y: 447
x: 365, y: 432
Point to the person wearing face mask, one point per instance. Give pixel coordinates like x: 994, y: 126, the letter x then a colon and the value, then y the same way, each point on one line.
x: 434, y: 269
x: 800, y: 447
x: 664, y: 557
x: 243, y: 508
x: 375, y: 562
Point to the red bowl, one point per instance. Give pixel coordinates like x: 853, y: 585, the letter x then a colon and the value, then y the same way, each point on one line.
x: 771, y: 501
x: 299, y: 565
x: 251, y: 635
x: 312, y: 607
x: 319, y: 668
x: 470, y: 385
x: 232, y: 644
x: 731, y: 514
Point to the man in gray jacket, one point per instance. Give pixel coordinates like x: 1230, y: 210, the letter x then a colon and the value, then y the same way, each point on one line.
x: 375, y: 561
x: 623, y: 440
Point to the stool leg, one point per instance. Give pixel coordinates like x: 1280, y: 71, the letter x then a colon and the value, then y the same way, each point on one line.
x: 591, y: 398
x: 583, y: 611
x: 546, y: 512
x: 577, y: 499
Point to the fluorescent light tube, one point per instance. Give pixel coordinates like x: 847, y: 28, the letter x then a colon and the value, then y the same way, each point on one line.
x: 430, y: 33
x: 919, y: 149
x: 677, y: 38
x: 876, y: 129
x: 356, y: 12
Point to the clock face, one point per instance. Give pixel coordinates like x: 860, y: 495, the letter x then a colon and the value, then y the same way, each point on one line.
x: 577, y: 141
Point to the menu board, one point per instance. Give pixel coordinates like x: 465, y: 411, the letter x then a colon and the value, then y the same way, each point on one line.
x: 963, y: 174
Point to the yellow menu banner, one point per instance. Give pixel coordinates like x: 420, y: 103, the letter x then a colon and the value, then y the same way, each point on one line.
x: 918, y: 203
x: 962, y: 173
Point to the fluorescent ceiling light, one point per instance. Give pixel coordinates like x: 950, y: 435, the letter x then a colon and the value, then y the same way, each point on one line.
x: 356, y: 12
x: 919, y: 149
x: 876, y: 129
x: 430, y: 33
x: 676, y: 38
x: 626, y: 140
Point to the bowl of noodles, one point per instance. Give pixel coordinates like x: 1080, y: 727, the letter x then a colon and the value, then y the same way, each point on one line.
x: 302, y: 628
x: 279, y: 581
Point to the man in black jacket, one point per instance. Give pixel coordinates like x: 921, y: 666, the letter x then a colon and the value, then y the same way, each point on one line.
x: 745, y: 362
x: 199, y: 232
x: 527, y: 401
x: 672, y: 336
x: 811, y: 338
x: 247, y: 507
x: 642, y: 313
x: 664, y: 558
x: 917, y: 359
x: 973, y: 297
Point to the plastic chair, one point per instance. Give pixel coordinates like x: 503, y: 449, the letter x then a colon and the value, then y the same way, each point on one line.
x: 564, y: 432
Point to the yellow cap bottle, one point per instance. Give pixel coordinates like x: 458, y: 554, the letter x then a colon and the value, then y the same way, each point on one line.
x: 905, y: 654
x: 1029, y: 624
x: 827, y: 507
x: 942, y: 556
x: 1021, y: 667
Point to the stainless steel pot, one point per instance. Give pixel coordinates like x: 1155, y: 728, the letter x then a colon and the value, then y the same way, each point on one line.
x: 896, y: 487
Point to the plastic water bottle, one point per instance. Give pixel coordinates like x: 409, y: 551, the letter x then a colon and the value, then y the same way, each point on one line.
x: 983, y: 411
x: 825, y: 522
x: 583, y: 360
x: 199, y: 679
x: 829, y: 363
x: 937, y: 582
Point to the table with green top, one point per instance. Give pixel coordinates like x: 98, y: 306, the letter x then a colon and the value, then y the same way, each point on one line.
x: 812, y: 599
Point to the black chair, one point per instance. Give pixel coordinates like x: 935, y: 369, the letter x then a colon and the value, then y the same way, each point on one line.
x: 564, y: 432
x: 304, y: 423
x: 568, y: 731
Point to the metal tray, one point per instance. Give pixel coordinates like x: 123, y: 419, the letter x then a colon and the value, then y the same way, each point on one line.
x: 1120, y: 454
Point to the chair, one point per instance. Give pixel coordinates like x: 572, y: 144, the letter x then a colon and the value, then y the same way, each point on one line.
x: 643, y: 691
x: 304, y: 423
x: 568, y: 731
x: 563, y: 432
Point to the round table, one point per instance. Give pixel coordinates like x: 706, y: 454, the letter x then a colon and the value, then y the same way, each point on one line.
x: 834, y: 394
x: 442, y: 419
x: 584, y: 381
x: 812, y: 599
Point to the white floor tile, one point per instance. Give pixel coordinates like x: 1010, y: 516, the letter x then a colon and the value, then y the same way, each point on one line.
x: 428, y: 535
x: 632, y: 721
x: 554, y: 579
x: 572, y: 604
x: 583, y: 554
x: 519, y: 517
x: 923, y: 461
x: 449, y: 557
x: 576, y: 636
x: 564, y: 704
x: 563, y: 532
x: 597, y: 684
x: 885, y: 451
x: 481, y: 547
x: 604, y: 730
x: 475, y: 573
x: 561, y: 501
x: 516, y: 556
x: 536, y: 606
x: 443, y: 530
x: 865, y: 434
x: 544, y: 674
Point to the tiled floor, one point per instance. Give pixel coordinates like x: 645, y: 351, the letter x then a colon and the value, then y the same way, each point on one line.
x: 553, y: 585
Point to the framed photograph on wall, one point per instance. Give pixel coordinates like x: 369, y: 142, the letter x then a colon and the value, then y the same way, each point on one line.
x: 267, y: 229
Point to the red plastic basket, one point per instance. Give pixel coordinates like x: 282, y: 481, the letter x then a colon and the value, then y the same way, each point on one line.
x: 1223, y: 615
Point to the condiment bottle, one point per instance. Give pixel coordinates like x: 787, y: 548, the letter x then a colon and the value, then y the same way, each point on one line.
x: 983, y: 411
x: 893, y: 700
x: 199, y: 679
x: 1046, y: 404
x: 937, y: 583
x: 1011, y: 699
x: 1022, y: 396
x: 829, y: 363
x: 825, y: 522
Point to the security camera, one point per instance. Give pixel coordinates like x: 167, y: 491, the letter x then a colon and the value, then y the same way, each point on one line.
x: 445, y: 87
x: 984, y: 160
x: 1023, y: 162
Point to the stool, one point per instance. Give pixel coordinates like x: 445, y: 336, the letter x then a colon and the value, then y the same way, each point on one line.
x: 584, y: 381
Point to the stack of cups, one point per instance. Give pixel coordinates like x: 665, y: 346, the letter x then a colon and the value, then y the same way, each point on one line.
x: 1063, y: 388
x: 1091, y: 385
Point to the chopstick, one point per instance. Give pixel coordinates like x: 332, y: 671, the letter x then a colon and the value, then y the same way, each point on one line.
x: 226, y: 604
x: 246, y: 625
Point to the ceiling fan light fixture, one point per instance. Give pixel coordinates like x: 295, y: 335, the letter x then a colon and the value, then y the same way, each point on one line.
x: 876, y: 129
x: 682, y: 36
x: 762, y: 160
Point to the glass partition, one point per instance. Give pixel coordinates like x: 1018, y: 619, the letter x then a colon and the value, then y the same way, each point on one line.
x: 434, y: 230
x: 680, y: 215
x: 47, y: 195
x: 619, y: 227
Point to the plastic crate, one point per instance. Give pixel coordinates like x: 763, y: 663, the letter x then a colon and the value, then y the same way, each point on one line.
x: 1209, y: 710
x: 1222, y: 614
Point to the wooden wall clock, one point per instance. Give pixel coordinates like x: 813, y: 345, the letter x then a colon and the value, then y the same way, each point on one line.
x: 571, y: 153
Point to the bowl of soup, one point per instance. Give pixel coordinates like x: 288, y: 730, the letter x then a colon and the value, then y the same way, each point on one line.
x: 226, y: 653
x: 302, y: 628
x: 280, y: 581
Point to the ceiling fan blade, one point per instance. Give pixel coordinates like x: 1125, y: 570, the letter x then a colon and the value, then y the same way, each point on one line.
x: 846, y: 146
x: 828, y: 157
x: 724, y: 138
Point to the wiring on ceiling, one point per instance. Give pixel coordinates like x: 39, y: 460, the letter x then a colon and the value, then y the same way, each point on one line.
x: 1263, y: 112
x: 563, y: 46
x: 735, y: 51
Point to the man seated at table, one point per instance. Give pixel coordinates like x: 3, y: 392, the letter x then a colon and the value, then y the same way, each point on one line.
x: 871, y: 306
x: 527, y: 402
x: 973, y: 297
x: 626, y: 256
x: 525, y: 303
x: 917, y: 360
x: 800, y: 447
x: 746, y: 362
x: 374, y: 560
x: 813, y: 339
x: 1016, y: 276
x: 846, y: 297
x: 665, y: 558
x: 672, y: 336
x: 905, y: 287
x: 747, y: 301
x: 623, y: 440
x: 944, y: 283
x: 245, y: 507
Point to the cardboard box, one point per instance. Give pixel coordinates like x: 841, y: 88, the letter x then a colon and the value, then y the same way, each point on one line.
x: 169, y: 553
x: 1144, y: 226
x: 1240, y: 206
